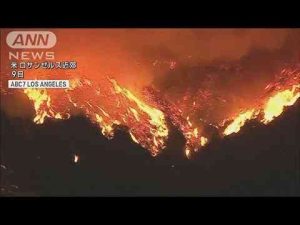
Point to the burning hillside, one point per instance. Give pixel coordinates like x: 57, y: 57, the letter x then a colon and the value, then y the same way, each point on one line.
x: 109, y: 104
x: 151, y: 87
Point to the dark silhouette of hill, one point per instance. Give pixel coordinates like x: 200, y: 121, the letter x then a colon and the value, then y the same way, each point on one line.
x: 259, y: 161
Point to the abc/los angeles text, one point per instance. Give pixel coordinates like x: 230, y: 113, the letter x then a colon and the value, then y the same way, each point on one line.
x: 38, y: 84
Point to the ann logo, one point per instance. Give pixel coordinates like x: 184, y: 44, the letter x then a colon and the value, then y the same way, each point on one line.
x: 28, y: 39
x: 31, y: 39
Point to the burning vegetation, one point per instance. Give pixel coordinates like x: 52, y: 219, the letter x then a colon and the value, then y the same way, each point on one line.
x: 202, y: 82
x: 147, y: 114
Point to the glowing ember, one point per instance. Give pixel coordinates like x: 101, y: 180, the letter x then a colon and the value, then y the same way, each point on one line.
x: 188, y: 153
x: 203, y: 141
x: 133, y: 138
x: 76, y: 158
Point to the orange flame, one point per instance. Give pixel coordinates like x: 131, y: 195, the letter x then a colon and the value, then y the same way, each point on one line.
x: 147, y: 125
x: 42, y: 105
x: 110, y: 105
x: 273, y: 108
x: 159, y: 128
x: 238, y: 122
x: 275, y: 105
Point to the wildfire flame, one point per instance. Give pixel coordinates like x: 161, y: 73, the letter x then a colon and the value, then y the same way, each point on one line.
x: 147, y: 114
x: 158, y: 129
x: 238, y: 122
x: 272, y: 108
x: 276, y: 104
x: 42, y: 105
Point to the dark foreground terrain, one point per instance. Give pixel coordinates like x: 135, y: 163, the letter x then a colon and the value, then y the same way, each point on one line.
x: 37, y: 160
